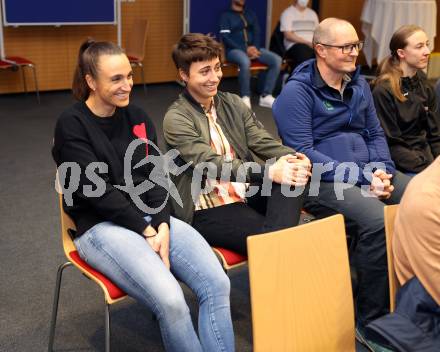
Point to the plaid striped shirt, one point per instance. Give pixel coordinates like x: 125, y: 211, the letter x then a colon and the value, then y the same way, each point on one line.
x: 220, y: 192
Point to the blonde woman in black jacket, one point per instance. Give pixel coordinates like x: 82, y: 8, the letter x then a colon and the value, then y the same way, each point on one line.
x: 405, y: 102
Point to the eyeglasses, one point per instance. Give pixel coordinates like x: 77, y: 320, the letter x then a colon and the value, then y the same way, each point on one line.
x: 347, y: 48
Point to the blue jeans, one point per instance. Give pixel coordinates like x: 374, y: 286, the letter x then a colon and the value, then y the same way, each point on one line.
x: 366, y: 214
x: 272, y: 60
x: 130, y: 262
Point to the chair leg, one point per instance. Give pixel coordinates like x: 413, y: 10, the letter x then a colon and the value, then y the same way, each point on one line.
x: 55, y: 304
x: 23, y: 75
x: 107, y: 327
x: 37, y: 91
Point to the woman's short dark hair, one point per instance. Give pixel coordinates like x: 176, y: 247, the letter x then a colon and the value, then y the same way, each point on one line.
x: 193, y: 47
x: 88, y: 58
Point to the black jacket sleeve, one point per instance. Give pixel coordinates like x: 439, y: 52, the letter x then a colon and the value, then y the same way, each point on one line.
x: 433, y: 118
x: 404, y: 157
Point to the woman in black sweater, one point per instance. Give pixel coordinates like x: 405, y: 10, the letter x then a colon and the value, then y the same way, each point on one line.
x: 115, y: 189
x: 406, y: 104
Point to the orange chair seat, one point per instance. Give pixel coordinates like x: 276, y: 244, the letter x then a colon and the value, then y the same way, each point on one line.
x: 114, y: 291
x: 231, y: 258
x: 255, y: 65
x: 16, y: 62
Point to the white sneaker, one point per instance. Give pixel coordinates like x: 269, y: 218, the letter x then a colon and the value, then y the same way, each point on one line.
x: 266, y: 101
x: 247, y: 101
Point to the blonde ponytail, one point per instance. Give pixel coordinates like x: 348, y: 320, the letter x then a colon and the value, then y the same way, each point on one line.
x: 389, y: 68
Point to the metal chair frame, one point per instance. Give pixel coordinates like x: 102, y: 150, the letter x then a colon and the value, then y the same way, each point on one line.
x: 21, y: 63
x: 67, y: 226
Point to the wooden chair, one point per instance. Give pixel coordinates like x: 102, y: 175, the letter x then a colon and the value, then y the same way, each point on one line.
x: 390, y: 215
x: 229, y: 259
x: 135, y: 48
x: 433, y: 70
x: 21, y: 63
x: 301, y: 294
x: 112, y: 293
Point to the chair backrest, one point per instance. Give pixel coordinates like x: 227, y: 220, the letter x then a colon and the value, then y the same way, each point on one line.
x: 433, y: 70
x: 112, y: 292
x: 390, y: 212
x: 301, y: 289
x: 66, y: 225
x: 136, y: 39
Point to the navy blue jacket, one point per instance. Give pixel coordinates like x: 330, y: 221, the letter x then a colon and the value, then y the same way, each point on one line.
x: 239, y: 30
x: 413, y: 326
x: 314, y: 119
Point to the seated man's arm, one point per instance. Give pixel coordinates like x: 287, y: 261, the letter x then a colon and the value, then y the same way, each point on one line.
x: 226, y: 32
x: 265, y: 146
x: 293, y: 112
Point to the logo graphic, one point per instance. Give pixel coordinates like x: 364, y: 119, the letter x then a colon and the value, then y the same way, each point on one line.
x: 90, y: 181
x: 141, y: 132
x: 328, y: 105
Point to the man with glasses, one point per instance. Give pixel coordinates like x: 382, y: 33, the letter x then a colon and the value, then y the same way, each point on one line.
x: 326, y: 111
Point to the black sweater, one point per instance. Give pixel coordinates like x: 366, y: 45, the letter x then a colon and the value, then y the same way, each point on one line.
x: 412, y: 128
x: 83, y: 138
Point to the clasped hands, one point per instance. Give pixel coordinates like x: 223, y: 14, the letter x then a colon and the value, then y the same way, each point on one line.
x: 252, y: 52
x: 381, y: 185
x: 160, y: 241
x: 293, y: 170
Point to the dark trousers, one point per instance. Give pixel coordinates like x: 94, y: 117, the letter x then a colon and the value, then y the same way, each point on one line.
x: 297, y: 54
x: 229, y: 225
x: 367, y: 216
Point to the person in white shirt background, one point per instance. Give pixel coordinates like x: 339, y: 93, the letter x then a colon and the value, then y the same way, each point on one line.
x: 297, y: 24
